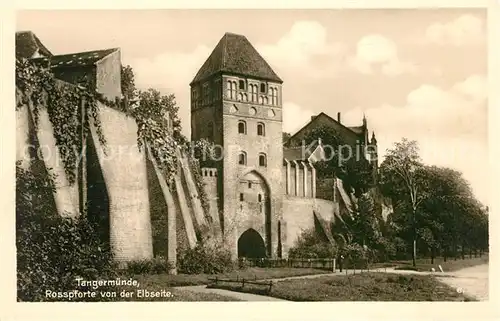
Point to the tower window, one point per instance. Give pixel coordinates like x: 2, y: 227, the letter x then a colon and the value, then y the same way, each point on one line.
x: 242, y: 197
x: 249, y: 185
x: 261, y: 129
x: 242, y: 158
x: 274, y: 96
x: 231, y: 89
x: 253, y: 89
x: 242, y: 127
x: 262, y: 88
x: 260, y: 198
x: 262, y: 160
x: 242, y: 85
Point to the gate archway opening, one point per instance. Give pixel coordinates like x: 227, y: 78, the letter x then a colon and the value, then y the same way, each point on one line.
x: 251, y: 245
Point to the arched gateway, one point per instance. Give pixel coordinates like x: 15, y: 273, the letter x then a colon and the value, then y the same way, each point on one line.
x: 254, y: 214
x: 251, y: 245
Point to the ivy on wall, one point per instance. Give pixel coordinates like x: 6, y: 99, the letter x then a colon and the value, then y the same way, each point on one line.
x: 155, y: 131
x: 37, y: 88
x: 156, y: 115
x: 200, y: 155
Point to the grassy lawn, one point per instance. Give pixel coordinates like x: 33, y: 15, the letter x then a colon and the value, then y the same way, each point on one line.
x: 359, y: 287
x: 166, y: 280
x: 449, y: 266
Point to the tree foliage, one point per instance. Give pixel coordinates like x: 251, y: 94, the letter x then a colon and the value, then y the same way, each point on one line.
x: 52, y: 251
x: 37, y: 88
x: 432, y: 204
x: 341, y: 159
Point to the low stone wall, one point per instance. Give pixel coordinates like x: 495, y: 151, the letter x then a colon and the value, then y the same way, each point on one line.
x: 298, y: 213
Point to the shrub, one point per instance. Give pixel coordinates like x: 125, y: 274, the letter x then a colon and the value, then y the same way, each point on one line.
x: 52, y: 251
x: 205, y: 258
x: 157, y: 265
x: 356, y: 256
x: 243, y: 263
x: 310, y: 245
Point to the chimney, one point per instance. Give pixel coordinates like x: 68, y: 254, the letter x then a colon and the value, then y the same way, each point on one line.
x: 338, y: 117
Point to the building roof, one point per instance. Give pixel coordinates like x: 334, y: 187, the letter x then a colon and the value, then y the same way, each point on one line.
x: 27, y: 44
x: 234, y: 54
x: 86, y: 58
x: 357, y: 130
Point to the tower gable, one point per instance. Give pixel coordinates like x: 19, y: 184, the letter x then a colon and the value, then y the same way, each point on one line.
x: 234, y: 54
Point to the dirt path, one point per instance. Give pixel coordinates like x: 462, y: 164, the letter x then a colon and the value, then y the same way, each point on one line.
x: 237, y: 295
x: 472, y: 280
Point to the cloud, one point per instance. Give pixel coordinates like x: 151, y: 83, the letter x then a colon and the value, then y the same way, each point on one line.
x: 171, y: 72
x: 305, y: 43
x: 295, y: 116
x: 378, y: 51
x: 464, y: 30
x: 450, y: 126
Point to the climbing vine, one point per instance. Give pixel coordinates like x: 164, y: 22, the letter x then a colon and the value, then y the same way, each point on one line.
x: 198, y: 152
x: 154, y: 130
x: 156, y: 115
x: 37, y: 88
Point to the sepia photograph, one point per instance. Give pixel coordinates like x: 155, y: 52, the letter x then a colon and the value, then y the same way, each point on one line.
x: 252, y: 155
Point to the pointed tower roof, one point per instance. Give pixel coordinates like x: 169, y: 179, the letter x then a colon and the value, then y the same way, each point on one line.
x: 234, y: 54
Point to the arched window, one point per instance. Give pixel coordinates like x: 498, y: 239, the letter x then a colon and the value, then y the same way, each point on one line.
x: 240, y: 97
x: 242, y: 85
x: 261, y: 129
x: 233, y: 90
x: 229, y: 85
x: 262, y: 88
x: 266, y: 100
x: 274, y: 96
x: 253, y: 90
x: 242, y: 127
x: 260, y: 198
x: 262, y: 160
x: 242, y: 158
x: 261, y: 100
x: 245, y: 97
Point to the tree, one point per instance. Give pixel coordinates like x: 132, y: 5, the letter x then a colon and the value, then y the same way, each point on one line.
x: 401, y: 174
x: 128, y: 83
x: 286, y: 137
x: 364, y: 222
x: 341, y: 160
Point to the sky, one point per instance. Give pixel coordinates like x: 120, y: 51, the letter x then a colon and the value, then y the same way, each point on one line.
x: 419, y: 74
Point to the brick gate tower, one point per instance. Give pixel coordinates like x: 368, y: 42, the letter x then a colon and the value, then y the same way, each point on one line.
x: 236, y: 103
